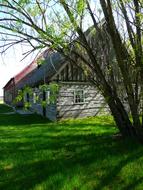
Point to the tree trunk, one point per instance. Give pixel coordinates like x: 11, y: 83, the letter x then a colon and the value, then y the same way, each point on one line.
x: 120, y: 114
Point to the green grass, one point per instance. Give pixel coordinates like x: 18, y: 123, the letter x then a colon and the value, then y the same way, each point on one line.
x: 5, y: 109
x: 82, y: 154
x: 1, y: 101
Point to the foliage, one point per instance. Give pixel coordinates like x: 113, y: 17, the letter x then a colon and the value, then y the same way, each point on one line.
x: 44, y: 103
x: 44, y: 87
x: 5, y: 109
x: 53, y: 88
x: 40, y: 61
x: 28, y: 90
x: 19, y: 97
x: 27, y: 105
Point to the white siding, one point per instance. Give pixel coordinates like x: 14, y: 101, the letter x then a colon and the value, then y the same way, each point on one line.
x: 94, y: 102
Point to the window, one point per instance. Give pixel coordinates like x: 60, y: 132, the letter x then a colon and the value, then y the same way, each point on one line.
x: 79, y: 97
x: 26, y: 97
x: 38, y: 97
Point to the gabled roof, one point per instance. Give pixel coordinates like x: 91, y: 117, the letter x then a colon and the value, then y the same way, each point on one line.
x: 14, y: 80
x: 25, y: 71
x: 9, y: 84
x: 52, y: 63
x: 48, y: 69
x: 34, y: 74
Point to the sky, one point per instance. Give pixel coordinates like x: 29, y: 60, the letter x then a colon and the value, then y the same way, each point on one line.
x: 11, y: 64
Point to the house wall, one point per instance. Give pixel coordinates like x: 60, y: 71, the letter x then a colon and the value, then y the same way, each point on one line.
x: 94, y: 102
x: 51, y: 112
x: 9, y: 91
x: 8, y: 96
x: 37, y: 108
x: 35, y: 105
x: 66, y: 108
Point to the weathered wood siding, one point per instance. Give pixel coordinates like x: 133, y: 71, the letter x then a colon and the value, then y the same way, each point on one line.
x: 94, y: 103
x: 70, y: 72
x: 51, y: 112
x: 37, y: 108
x: 8, y: 97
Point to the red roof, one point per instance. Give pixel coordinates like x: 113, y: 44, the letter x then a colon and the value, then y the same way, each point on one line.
x: 9, y: 84
x: 31, y: 67
x: 25, y: 71
x: 20, y: 75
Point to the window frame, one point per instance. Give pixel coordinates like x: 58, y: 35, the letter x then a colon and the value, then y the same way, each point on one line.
x: 47, y: 95
x: 34, y: 98
x: 80, y: 96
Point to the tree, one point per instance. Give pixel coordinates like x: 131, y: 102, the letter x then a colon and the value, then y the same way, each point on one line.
x: 111, y: 57
x: 124, y: 57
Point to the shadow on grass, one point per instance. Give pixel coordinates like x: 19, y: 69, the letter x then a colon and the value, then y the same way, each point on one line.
x: 134, y: 184
x: 65, y: 154
x: 17, y: 119
x: 38, y: 154
x: 4, y: 108
x: 22, y: 120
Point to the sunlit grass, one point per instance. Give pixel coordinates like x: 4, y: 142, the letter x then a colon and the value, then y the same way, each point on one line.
x: 81, y: 154
x: 1, y: 101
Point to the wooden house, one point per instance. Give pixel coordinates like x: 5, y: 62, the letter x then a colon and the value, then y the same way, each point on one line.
x: 76, y: 96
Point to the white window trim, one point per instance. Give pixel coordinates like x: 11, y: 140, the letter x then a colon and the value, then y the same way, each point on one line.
x: 75, y: 91
x: 25, y: 97
x: 48, y: 96
x: 34, y: 97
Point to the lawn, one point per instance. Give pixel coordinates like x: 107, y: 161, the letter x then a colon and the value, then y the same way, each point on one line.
x: 1, y: 101
x: 5, y: 109
x: 81, y: 154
